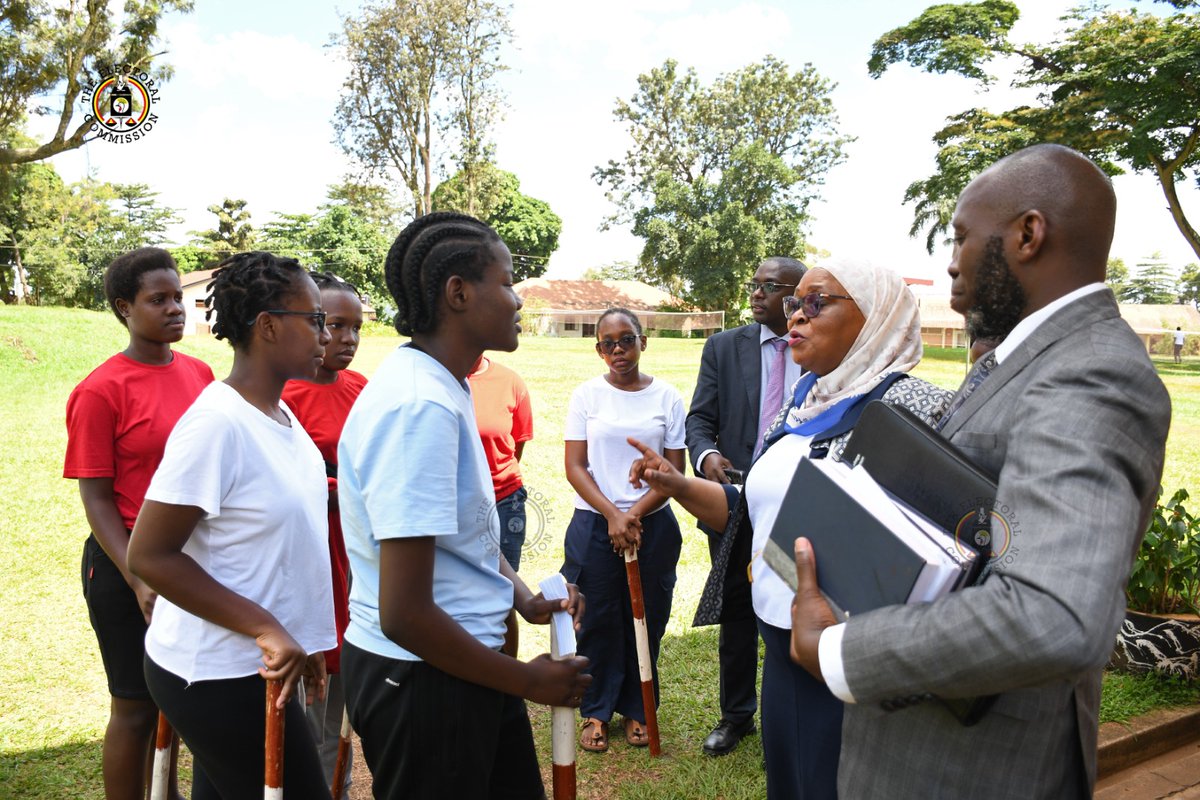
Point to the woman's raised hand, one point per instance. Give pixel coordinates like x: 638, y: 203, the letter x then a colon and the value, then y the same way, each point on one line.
x: 656, y: 471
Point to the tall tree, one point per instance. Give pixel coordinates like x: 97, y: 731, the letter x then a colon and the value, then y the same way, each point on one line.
x: 369, y: 201
x: 1189, y: 285
x: 720, y: 176
x: 339, y: 239
x: 347, y: 245
x: 1120, y: 86
x: 527, y: 225
x: 63, y: 236
x: 1116, y: 276
x: 1154, y: 283
x: 146, y: 219
x: 288, y: 235
x: 56, y: 239
x: 50, y: 50
x: 233, y: 233
x: 420, y: 70
x: 481, y: 29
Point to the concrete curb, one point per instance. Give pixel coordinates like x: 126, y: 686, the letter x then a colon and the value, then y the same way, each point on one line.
x: 1121, y: 745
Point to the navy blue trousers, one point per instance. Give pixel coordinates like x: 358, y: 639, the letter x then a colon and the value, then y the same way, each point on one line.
x: 607, y: 637
x: 801, y: 725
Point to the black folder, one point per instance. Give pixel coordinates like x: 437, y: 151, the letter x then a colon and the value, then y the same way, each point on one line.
x: 923, y: 470
x: 861, y: 564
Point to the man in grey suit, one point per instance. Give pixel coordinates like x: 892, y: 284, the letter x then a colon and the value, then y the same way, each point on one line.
x: 734, y: 394
x: 1071, y: 416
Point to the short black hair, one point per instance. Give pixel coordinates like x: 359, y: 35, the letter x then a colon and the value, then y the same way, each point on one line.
x: 243, y: 286
x: 616, y: 310
x: 792, y: 266
x: 123, y: 277
x: 424, y: 255
x: 327, y: 280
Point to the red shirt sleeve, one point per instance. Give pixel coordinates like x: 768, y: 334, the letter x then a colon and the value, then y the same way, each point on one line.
x: 522, y: 428
x: 91, y: 436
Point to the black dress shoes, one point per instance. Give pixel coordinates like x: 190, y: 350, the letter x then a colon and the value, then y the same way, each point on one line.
x: 726, y: 736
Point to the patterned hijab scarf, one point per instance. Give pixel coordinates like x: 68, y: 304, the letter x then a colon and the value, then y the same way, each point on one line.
x: 889, y: 342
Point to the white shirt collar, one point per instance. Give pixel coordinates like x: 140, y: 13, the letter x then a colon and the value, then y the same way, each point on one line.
x: 1027, y: 326
x: 765, y: 334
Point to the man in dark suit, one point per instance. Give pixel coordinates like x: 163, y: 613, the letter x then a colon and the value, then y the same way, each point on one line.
x: 745, y: 375
x: 1070, y: 414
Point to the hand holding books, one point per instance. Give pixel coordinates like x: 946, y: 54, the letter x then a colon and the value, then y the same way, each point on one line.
x: 811, y: 614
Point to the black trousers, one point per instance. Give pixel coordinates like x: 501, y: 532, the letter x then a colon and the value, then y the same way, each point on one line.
x: 426, y: 734
x: 224, y: 724
x: 607, y: 635
x: 737, y: 650
x: 801, y: 725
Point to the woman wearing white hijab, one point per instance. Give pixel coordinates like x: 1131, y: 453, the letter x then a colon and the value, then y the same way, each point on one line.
x: 856, y: 330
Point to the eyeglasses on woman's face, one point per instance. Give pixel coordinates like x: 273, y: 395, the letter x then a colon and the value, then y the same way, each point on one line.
x: 317, y: 317
x: 607, y: 346
x: 812, y: 303
x: 768, y: 287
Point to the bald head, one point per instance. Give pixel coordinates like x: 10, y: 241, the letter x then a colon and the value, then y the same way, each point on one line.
x: 1070, y: 191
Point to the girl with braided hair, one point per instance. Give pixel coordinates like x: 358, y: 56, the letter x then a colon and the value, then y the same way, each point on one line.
x: 232, y: 536
x: 437, y: 705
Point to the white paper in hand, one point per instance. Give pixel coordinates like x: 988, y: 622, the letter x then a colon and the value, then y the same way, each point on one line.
x: 554, y: 587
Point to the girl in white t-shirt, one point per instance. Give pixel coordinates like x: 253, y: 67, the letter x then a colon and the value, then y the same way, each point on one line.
x: 232, y: 536
x: 611, y: 516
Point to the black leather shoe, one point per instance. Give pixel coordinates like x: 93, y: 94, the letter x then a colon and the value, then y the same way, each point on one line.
x: 725, y: 737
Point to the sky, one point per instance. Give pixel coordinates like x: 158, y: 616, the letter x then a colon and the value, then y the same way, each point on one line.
x: 248, y: 114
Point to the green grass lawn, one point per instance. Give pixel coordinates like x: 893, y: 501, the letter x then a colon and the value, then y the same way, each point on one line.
x: 53, y: 705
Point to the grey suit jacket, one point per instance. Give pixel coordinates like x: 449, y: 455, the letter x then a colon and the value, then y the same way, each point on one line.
x: 724, y: 411
x: 1074, y: 422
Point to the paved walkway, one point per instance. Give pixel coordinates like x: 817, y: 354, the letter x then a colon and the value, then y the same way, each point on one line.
x: 1175, y: 775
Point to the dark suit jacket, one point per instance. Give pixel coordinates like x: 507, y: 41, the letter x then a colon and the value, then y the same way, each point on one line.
x: 1074, y: 422
x: 724, y: 411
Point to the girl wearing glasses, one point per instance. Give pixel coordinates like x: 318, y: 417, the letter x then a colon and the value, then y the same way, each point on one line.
x: 233, y: 538
x: 438, y: 707
x: 856, y: 330
x: 612, y: 516
x: 118, y: 420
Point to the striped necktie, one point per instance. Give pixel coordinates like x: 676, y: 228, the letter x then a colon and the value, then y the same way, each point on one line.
x: 982, y: 369
x: 772, y: 399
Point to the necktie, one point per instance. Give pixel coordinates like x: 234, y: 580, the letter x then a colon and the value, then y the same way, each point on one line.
x: 773, y: 398
x: 983, y: 368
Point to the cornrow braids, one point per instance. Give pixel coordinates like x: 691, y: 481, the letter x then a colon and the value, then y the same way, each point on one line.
x: 614, y: 311
x: 327, y: 280
x: 243, y: 286
x: 427, y: 252
x: 123, y: 277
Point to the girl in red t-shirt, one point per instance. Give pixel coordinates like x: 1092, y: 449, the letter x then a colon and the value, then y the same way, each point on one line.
x: 321, y: 405
x: 118, y: 420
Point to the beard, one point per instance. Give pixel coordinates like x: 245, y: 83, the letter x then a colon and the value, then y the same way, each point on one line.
x: 999, y: 299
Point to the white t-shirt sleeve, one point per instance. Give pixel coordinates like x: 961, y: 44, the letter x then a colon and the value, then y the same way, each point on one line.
x: 575, y: 428
x: 200, y: 464
x: 676, y: 438
x: 424, y: 437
